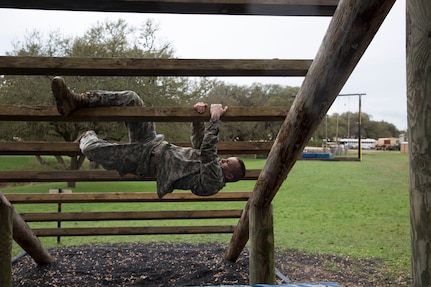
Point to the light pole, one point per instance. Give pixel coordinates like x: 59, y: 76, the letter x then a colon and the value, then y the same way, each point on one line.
x: 359, y: 120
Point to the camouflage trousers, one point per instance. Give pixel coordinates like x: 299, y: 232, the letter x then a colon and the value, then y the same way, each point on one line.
x: 134, y: 157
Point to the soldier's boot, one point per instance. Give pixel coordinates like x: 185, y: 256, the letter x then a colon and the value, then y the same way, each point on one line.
x: 84, y: 134
x: 66, y: 100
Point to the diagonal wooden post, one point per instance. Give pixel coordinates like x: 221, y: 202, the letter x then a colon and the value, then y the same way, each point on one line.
x: 353, y: 26
x: 25, y: 238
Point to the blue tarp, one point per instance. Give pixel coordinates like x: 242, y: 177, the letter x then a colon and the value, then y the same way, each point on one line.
x: 316, y: 155
x: 321, y: 284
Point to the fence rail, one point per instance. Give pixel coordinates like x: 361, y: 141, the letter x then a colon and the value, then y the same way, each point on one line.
x: 136, y: 197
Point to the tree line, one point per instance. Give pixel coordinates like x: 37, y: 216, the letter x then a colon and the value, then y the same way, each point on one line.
x: 118, y: 39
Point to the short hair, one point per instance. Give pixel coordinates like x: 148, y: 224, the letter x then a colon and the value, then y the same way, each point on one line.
x: 239, y: 173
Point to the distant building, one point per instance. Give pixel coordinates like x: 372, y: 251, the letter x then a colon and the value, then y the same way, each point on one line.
x: 388, y: 144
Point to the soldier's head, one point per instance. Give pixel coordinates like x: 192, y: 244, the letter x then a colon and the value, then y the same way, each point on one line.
x: 233, y: 169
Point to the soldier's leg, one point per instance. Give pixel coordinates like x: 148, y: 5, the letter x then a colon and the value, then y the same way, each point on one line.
x: 123, y: 158
x: 68, y: 101
x: 138, y: 131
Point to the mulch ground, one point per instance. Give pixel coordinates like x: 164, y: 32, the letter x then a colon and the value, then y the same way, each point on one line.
x: 182, y: 264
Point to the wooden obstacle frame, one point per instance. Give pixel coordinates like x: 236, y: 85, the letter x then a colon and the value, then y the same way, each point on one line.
x: 129, y: 197
x: 324, y: 78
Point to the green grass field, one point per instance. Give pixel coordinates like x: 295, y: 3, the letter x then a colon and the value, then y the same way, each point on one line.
x: 355, y: 209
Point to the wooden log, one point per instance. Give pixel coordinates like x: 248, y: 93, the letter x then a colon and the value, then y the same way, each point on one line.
x: 25, y: 238
x: 30, y: 198
x: 146, y: 114
x: 13, y: 65
x: 131, y: 215
x: 83, y: 175
x: 40, y: 148
x: 262, y: 264
x: 6, y: 231
x: 72, y: 149
x: 338, y: 55
x: 237, y: 7
x: 146, y: 230
x: 419, y: 117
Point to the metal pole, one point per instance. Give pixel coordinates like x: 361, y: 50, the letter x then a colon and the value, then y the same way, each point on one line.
x: 59, y: 222
x: 359, y: 120
x: 326, y: 132
x: 359, y: 129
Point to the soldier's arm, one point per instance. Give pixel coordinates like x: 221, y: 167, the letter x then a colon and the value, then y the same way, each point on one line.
x: 210, y: 179
x: 198, y: 128
x: 197, y: 134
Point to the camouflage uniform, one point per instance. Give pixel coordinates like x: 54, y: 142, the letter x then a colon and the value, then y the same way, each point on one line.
x: 147, y: 154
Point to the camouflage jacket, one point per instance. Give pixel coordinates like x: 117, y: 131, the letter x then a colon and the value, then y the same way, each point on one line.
x: 196, y: 169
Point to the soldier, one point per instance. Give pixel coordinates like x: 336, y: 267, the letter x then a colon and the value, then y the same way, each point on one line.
x: 147, y: 154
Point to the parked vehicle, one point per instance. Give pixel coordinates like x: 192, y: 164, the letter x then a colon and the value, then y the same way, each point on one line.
x: 353, y: 143
x: 388, y: 144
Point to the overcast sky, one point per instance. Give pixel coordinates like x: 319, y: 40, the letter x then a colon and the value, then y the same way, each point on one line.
x: 380, y: 74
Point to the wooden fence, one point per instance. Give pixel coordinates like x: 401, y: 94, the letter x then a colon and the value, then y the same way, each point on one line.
x: 130, y: 197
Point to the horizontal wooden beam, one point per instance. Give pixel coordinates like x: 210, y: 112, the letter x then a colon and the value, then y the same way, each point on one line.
x: 94, y: 231
x: 30, y: 198
x: 39, y: 148
x: 152, y: 114
x: 130, y: 215
x: 236, y: 7
x: 14, y: 65
x: 82, y: 175
x: 72, y: 149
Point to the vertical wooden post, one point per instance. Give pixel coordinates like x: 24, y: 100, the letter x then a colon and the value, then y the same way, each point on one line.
x: 5, y: 242
x: 261, y: 265
x: 353, y: 26
x: 25, y: 238
x: 419, y: 116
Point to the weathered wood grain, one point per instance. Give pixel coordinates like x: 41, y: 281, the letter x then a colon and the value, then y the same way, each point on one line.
x: 130, y: 215
x: 146, y: 230
x: 338, y: 55
x: 236, y: 7
x: 419, y: 118
x: 6, y: 231
x: 262, y: 264
x: 25, y: 238
x: 131, y: 114
x: 15, y: 65
x: 72, y: 149
x: 31, y: 198
x: 82, y: 175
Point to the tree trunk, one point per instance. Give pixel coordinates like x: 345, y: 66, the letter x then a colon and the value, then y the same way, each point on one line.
x: 60, y: 161
x: 40, y: 160
x: 94, y: 165
x: 75, y: 164
x: 419, y: 118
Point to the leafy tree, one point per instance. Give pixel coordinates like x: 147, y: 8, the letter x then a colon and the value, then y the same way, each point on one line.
x: 109, y: 39
x: 117, y: 39
x: 346, y: 125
